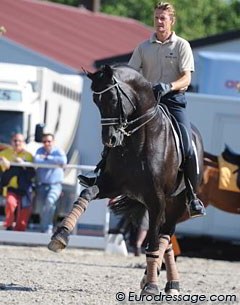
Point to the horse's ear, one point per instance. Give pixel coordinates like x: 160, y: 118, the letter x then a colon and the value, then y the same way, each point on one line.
x: 87, y: 73
x: 108, y: 71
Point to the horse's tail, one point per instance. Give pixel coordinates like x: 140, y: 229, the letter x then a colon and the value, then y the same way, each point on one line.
x: 129, y: 209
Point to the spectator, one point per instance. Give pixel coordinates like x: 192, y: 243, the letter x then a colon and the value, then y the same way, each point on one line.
x: 141, y: 234
x: 49, y: 181
x: 134, y: 228
x: 17, y: 184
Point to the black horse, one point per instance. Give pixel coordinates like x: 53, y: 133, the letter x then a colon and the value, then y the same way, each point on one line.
x: 143, y: 162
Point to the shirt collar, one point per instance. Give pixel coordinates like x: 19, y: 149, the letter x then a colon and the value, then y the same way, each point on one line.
x: 153, y: 38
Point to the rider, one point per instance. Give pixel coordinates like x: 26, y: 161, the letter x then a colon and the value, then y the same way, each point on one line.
x: 166, y: 60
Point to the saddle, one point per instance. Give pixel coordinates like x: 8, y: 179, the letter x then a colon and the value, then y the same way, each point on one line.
x: 178, y: 136
x: 182, y: 138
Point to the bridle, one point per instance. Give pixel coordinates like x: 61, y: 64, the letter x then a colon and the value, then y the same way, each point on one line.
x: 122, y: 120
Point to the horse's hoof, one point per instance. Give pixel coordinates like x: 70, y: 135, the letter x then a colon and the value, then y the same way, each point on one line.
x: 144, y: 278
x: 59, y: 240
x: 172, y: 288
x: 172, y: 292
x: 143, y: 281
x: 56, y: 246
x: 150, y: 289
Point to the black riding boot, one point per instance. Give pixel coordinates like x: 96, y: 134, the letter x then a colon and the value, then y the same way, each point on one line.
x: 90, y: 181
x: 195, y: 205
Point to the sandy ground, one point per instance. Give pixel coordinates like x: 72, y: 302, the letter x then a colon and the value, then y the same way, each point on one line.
x: 34, y: 275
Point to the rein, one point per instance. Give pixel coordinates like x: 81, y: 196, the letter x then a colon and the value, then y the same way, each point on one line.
x: 130, y: 132
x: 123, y: 122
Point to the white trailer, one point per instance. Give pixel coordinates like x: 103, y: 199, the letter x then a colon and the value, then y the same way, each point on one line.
x: 32, y: 95
x: 38, y: 99
x: 218, y: 120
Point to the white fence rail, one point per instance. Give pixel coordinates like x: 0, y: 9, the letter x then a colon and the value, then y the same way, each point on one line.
x: 42, y: 165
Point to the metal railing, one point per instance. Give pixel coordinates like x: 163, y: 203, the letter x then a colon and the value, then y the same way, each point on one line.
x: 42, y: 165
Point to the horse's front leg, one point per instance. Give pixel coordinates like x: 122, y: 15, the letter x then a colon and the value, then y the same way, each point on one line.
x: 60, y: 238
x: 154, y: 250
x: 158, y: 259
x: 172, y: 286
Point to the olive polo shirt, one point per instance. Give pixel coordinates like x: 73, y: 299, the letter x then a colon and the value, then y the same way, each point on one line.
x: 162, y: 61
x: 11, y: 155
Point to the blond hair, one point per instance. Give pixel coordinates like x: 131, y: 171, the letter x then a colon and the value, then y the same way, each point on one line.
x: 166, y: 6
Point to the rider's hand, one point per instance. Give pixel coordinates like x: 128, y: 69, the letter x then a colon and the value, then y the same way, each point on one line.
x: 5, y: 164
x: 162, y: 89
x: 19, y: 160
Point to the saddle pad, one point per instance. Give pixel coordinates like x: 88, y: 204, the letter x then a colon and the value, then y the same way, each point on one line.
x: 227, y: 177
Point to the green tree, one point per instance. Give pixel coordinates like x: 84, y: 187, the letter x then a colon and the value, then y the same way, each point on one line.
x: 140, y: 10
x: 195, y: 18
x: 67, y: 2
x: 206, y: 17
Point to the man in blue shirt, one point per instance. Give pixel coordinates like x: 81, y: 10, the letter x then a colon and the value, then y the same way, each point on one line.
x: 49, y: 180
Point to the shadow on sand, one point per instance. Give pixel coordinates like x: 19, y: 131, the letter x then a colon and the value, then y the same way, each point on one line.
x: 203, y: 247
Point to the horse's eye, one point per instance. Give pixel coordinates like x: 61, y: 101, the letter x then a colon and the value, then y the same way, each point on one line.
x: 101, y: 75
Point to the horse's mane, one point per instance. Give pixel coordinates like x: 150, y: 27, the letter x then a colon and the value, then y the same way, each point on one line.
x: 129, y: 75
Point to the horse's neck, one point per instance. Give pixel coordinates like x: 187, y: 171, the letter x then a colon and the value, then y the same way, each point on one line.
x: 146, y: 135
x: 136, y: 143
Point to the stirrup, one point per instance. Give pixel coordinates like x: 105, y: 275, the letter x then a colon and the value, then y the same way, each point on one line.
x: 196, y: 208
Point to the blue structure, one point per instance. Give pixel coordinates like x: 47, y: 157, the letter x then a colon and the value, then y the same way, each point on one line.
x: 12, y: 52
x: 219, y: 73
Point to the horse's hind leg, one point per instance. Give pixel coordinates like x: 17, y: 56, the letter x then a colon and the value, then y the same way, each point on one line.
x: 60, y: 238
x: 172, y: 286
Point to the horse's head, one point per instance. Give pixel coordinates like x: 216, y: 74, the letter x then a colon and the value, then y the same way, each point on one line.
x: 117, y: 101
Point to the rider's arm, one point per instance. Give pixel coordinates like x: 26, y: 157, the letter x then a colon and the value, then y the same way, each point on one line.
x: 183, y: 82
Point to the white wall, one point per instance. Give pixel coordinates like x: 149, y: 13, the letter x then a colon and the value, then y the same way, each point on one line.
x: 218, y: 119
x: 88, y: 139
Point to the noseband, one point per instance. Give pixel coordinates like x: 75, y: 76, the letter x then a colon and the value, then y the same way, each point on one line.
x: 122, y: 120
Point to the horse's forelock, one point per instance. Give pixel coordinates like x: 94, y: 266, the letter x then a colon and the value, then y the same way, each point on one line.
x: 101, y: 77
